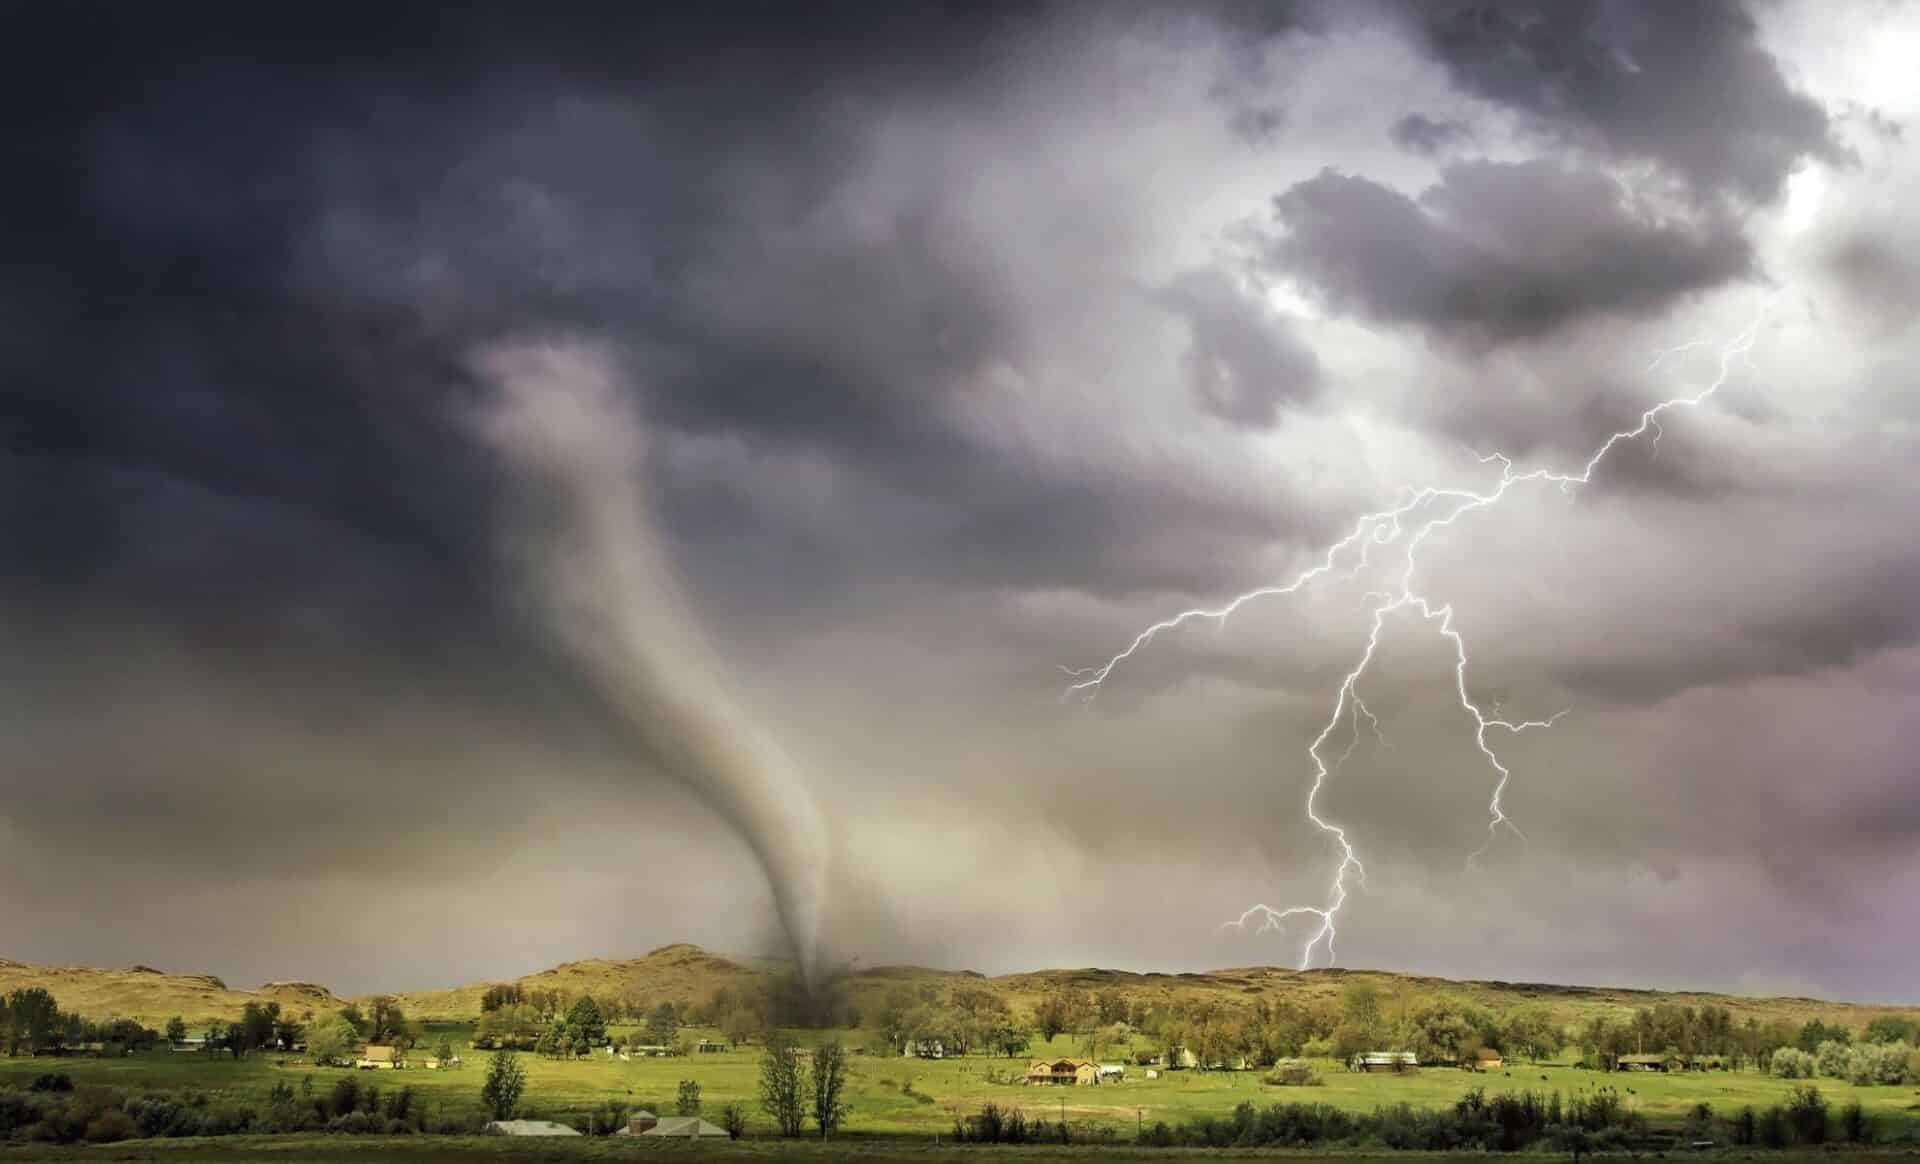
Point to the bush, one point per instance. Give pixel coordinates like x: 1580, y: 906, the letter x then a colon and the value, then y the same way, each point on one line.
x: 60, y: 1082
x: 1807, y: 1115
x: 111, y: 1127
x: 1855, y: 1126
x: 1793, y: 1063
x: 1291, y: 1075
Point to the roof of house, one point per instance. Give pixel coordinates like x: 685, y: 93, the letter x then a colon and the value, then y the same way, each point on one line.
x: 530, y: 1128
x: 685, y: 1127
x: 377, y: 1053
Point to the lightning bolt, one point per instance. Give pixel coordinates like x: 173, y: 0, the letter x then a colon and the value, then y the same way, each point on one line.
x: 1407, y: 525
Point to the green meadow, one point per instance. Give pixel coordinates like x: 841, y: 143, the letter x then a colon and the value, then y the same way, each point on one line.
x: 921, y: 1098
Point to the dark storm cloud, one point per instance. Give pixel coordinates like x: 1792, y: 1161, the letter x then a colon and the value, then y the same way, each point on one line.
x: 1497, y: 251
x: 872, y: 276
x: 1419, y: 134
x: 1243, y: 363
x: 1687, y: 86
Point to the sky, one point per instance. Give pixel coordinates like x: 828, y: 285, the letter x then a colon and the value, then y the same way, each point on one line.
x: 487, y: 488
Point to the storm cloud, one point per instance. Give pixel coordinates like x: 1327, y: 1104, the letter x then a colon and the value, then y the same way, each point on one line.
x: 964, y: 341
x: 1497, y: 251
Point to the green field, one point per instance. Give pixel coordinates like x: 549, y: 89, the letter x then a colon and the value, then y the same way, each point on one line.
x: 921, y: 1098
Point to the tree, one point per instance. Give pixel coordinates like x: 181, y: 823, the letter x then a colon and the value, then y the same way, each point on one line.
x: 255, y: 1028
x: 332, y: 1041
x: 176, y: 1030
x: 688, y: 1103
x: 506, y: 1079
x: 586, y: 1021
x: 444, y: 1052
x: 1053, y: 1015
x: 1360, y: 1006
x: 662, y: 1024
x: 829, y: 1086
x: 733, y: 1118
x: 287, y: 1032
x: 738, y: 1025
x: 1890, y: 1028
x: 783, y: 1084
x: 34, y: 1020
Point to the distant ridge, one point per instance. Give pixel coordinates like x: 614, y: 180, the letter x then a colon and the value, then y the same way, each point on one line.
x: 685, y: 973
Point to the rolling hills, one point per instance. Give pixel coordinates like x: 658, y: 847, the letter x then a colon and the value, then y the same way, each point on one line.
x: 688, y: 974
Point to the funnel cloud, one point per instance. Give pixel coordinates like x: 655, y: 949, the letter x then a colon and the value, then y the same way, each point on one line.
x: 598, y: 577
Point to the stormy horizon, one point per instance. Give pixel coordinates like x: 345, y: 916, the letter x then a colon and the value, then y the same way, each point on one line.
x: 491, y: 489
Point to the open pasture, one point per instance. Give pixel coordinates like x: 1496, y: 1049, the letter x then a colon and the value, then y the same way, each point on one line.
x: 922, y: 1097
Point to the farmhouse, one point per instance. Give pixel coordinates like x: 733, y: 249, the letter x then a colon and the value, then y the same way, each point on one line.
x: 1377, y: 1061
x: 685, y: 1128
x: 1063, y: 1071
x: 378, y: 1058
x: 1485, y: 1059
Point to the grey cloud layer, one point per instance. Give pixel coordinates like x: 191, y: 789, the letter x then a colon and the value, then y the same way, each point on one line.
x: 965, y: 341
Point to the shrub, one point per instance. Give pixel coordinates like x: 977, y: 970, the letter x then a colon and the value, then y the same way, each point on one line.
x: 60, y: 1082
x: 1741, y: 1129
x: 1855, y: 1126
x: 1291, y: 1075
x: 1807, y: 1115
x: 110, y: 1127
x: 1793, y: 1063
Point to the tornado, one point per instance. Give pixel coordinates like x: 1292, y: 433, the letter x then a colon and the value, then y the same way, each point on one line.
x: 595, y: 572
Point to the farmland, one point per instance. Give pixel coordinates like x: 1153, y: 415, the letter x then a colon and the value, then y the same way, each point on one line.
x: 921, y: 1098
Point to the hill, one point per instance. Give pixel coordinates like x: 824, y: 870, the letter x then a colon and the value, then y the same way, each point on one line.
x: 153, y: 996
x: 688, y: 974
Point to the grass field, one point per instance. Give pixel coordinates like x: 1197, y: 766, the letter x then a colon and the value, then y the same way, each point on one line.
x: 316, y: 1149
x: 921, y: 1098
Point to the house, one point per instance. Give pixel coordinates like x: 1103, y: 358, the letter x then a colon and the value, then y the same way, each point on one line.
x: 378, y: 1058
x: 1485, y: 1059
x: 685, y: 1128
x: 1649, y: 1063
x: 1062, y: 1071
x: 639, y: 1123
x: 1378, y: 1061
x: 529, y: 1128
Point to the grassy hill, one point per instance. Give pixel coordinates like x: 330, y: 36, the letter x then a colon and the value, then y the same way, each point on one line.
x: 686, y: 973
x: 153, y: 996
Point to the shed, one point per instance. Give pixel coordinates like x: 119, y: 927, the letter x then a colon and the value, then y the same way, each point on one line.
x: 530, y: 1128
x: 1486, y: 1059
x: 377, y: 1058
x: 1376, y: 1061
